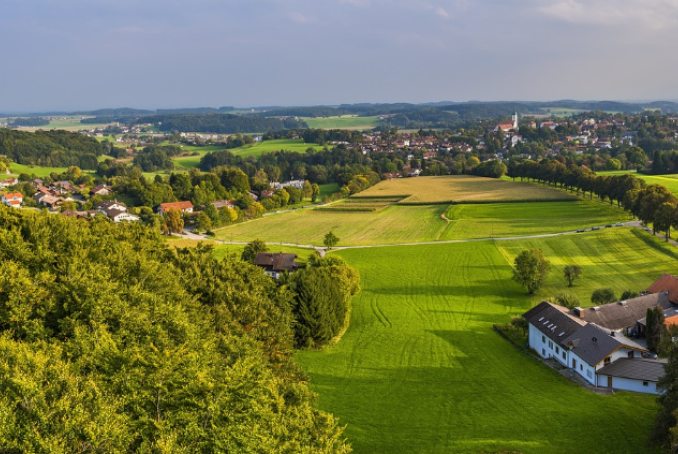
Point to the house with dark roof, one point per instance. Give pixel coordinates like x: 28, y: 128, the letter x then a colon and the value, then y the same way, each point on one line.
x: 591, y: 348
x: 589, y: 340
x: 633, y: 374
x: 624, y: 315
x: 275, y: 265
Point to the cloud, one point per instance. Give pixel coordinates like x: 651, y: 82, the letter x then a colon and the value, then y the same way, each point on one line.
x: 440, y: 11
x: 299, y: 18
x: 648, y: 14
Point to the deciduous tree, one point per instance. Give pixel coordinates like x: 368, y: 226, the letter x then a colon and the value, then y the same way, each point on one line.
x: 530, y: 268
x: 571, y: 272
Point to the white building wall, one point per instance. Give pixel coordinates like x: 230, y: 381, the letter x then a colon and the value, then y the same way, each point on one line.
x: 627, y: 384
x: 583, y: 369
x: 545, y: 347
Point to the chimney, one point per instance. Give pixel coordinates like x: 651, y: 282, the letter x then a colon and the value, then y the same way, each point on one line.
x: 579, y: 311
x: 612, y: 333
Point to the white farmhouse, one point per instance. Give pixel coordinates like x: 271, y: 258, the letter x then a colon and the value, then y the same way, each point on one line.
x: 593, y: 342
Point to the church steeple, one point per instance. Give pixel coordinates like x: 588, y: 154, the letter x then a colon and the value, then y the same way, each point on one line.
x: 514, y: 117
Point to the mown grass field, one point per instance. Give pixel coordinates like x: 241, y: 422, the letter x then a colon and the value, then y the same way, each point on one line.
x: 410, y: 224
x: 420, y: 369
x: 462, y: 188
x: 267, y: 146
x: 353, y: 122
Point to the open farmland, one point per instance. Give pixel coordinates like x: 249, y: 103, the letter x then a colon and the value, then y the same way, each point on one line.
x: 462, y: 189
x: 267, y: 146
x: 362, y: 221
x: 420, y: 369
x: 353, y: 122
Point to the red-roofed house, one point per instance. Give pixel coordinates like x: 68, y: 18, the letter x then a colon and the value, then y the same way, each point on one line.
x: 13, y: 199
x: 8, y: 182
x: 184, y: 207
x: 666, y: 283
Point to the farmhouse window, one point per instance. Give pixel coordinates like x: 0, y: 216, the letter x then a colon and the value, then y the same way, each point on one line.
x: 557, y: 350
x: 645, y: 383
x: 543, y: 340
x: 564, y: 357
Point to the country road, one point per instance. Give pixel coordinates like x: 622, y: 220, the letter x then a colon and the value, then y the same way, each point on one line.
x: 323, y: 250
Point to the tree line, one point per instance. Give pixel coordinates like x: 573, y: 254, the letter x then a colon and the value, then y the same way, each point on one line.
x: 219, y: 123
x: 652, y: 204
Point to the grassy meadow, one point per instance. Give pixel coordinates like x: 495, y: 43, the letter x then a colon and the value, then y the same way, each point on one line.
x: 342, y: 122
x: 409, y: 224
x: 420, y: 369
x: 267, y: 146
x: 17, y: 169
x: 462, y: 189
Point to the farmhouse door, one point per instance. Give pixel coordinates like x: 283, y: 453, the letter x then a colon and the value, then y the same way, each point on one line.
x: 609, y: 382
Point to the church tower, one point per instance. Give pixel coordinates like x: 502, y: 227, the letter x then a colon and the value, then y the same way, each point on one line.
x: 514, y: 117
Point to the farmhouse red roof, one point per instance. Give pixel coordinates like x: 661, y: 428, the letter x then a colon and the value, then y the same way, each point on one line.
x: 176, y: 206
x: 666, y: 283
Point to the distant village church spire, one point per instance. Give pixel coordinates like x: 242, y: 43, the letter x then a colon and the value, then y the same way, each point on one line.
x: 514, y: 117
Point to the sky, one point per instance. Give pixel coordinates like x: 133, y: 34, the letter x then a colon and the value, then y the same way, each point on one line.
x: 89, y: 54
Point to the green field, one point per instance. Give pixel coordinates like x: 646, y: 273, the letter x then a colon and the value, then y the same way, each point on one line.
x: 223, y: 250
x: 462, y: 188
x: 342, y: 122
x: 420, y: 369
x: 16, y: 169
x: 409, y: 224
x: 267, y: 146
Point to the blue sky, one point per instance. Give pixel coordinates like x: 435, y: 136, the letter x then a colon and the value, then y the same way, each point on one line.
x: 85, y: 54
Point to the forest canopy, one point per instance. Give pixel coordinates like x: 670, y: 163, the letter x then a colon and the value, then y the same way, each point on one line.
x: 111, y: 341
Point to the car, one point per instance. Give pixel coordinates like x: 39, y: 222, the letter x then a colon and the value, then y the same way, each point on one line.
x: 647, y: 229
x: 581, y: 230
x: 608, y: 226
x: 595, y: 228
x: 618, y: 224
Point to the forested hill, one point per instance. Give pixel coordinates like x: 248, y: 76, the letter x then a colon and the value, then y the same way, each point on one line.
x: 50, y: 148
x: 110, y: 341
x: 220, y: 123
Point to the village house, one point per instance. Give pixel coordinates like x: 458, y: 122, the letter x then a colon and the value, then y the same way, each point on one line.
x: 275, y: 265
x: 101, y: 189
x: 116, y: 211
x: 47, y: 200
x: 591, y: 341
x: 13, y: 199
x: 185, y: 207
x: 8, y: 182
x: 224, y: 203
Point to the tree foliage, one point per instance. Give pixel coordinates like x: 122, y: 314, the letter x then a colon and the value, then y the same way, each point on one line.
x: 330, y: 240
x: 323, y: 292
x: 530, y: 269
x: 112, y: 341
x: 654, y: 327
x: 571, y: 273
x: 252, y: 249
x: 603, y: 296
